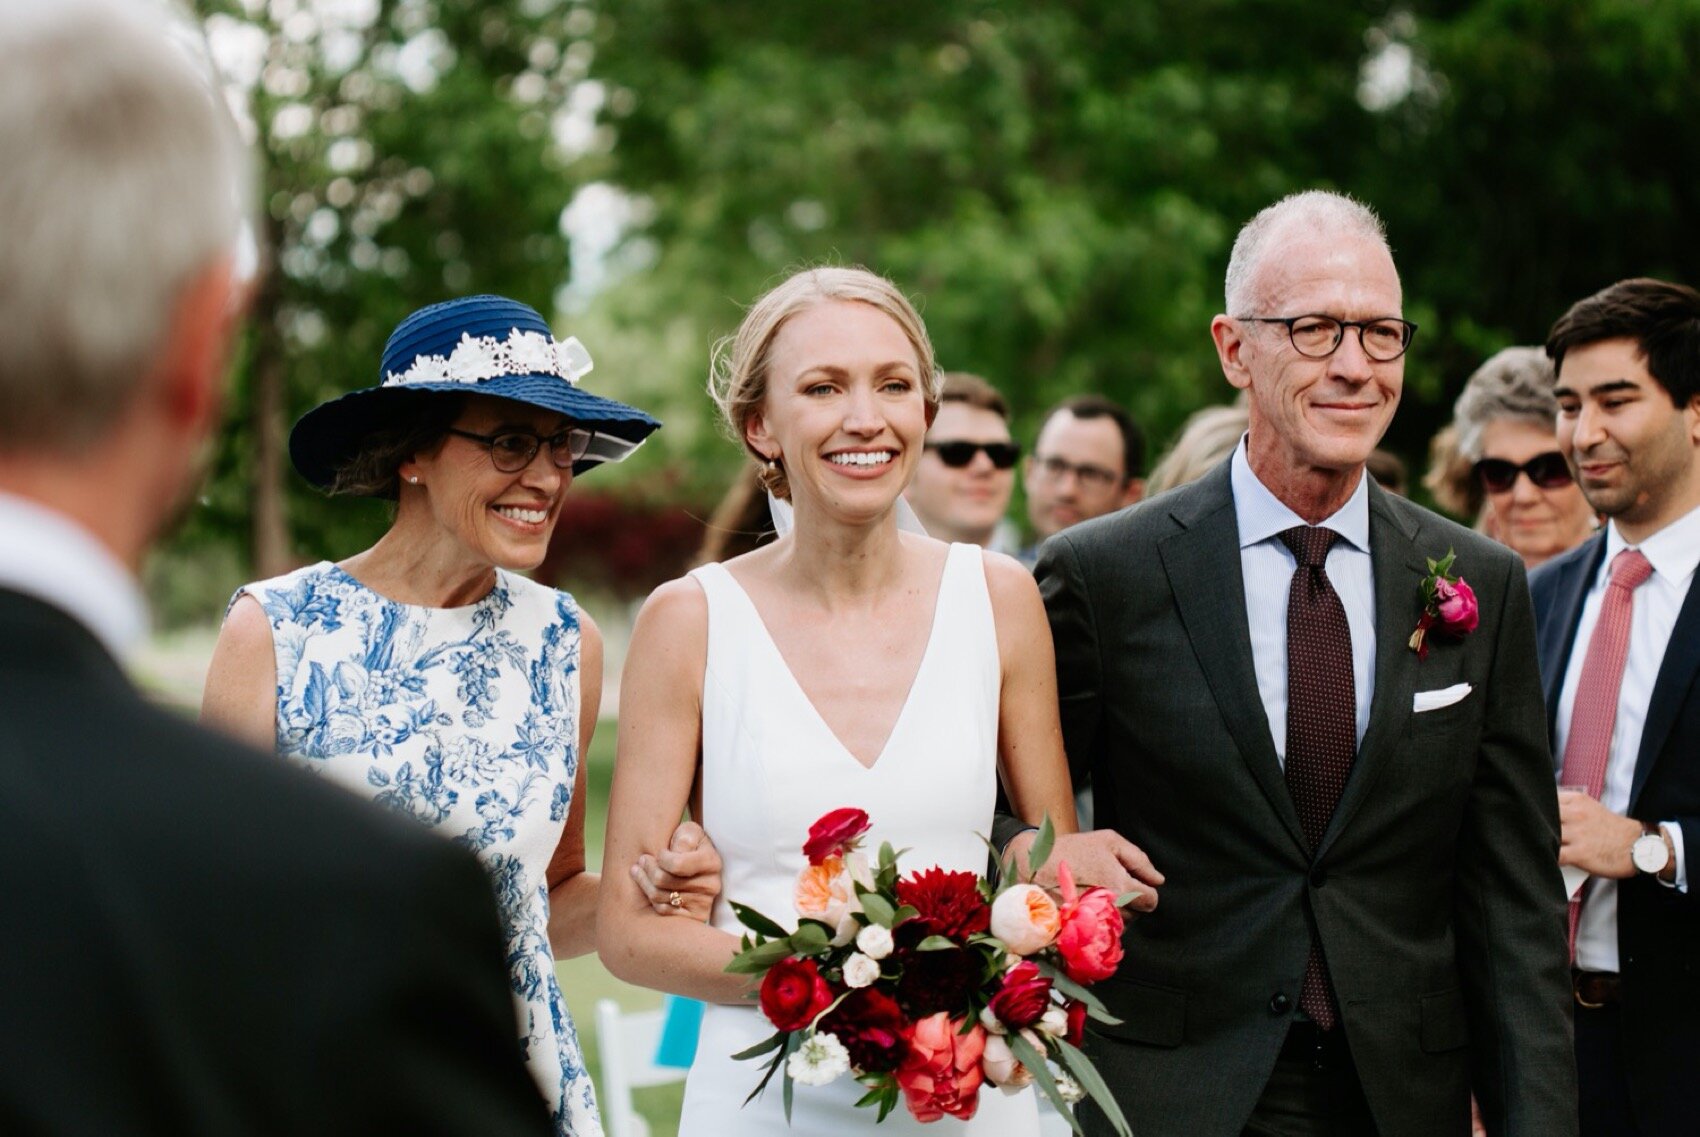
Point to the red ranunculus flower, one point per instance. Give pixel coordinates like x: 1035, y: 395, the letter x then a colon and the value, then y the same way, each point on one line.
x: 871, y: 1027
x: 1076, y: 1032
x: 835, y: 834
x: 1024, y: 996
x: 942, y: 1072
x: 793, y: 992
x: 949, y: 903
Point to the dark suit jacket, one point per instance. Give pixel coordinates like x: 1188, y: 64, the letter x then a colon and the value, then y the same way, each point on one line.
x: 1435, y: 891
x: 200, y: 940
x: 1658, y: 928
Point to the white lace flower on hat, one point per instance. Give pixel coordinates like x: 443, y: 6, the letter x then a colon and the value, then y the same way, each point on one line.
x: 478, y: 359
x: 473, y: 359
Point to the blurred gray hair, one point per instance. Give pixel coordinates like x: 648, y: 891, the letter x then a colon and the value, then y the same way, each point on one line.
x: 1319, y: 212
x: 1512, y: 384
x: 121, y: 180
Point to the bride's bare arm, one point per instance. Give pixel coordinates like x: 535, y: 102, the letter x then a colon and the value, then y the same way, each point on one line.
x: 1031, y: 762
x: 657, y: 763
x: 1031, y: 758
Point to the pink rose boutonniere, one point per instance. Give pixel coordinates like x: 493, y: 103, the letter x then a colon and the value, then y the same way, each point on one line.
x: 1449, y: 605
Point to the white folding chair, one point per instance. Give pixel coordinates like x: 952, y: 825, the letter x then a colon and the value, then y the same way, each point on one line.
x: 627, y: 1041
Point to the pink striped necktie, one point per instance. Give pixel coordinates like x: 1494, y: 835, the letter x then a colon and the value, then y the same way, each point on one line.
x: 1587, y: 747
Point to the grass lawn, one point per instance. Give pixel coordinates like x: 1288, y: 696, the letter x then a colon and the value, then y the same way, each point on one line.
x: 585, y: 980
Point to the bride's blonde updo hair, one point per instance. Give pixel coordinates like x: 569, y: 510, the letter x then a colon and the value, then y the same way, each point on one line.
x: 737, y: 375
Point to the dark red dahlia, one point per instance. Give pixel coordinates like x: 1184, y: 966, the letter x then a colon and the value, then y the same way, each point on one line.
x: 949, y: 904
x: 871, y: 1026
x: 935, y: 981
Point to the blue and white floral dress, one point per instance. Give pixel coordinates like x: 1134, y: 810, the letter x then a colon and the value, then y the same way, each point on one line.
x: 466, y: 719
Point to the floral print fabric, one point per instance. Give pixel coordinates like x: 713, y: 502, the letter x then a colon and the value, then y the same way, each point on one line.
x: 465, y: 719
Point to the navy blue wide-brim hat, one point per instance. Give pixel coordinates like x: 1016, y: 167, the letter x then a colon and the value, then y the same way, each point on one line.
x: 485, y: 345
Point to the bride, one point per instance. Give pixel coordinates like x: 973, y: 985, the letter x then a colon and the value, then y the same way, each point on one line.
x: 850, y: 663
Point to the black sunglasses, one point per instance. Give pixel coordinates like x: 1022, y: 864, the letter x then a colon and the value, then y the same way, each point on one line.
x: 958, y: 454
x: 1549, y: 471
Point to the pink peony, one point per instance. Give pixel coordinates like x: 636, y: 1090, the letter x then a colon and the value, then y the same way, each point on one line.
x: 1456, y: 602
x: 941, y: 1073
x: 1090, y: 941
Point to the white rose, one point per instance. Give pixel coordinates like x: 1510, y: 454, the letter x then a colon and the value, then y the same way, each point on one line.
x: 991, y: 1022
x: 1001, y: 1068
x: 1053, y: 1022
x: 874, y: 941
x: 860, y: 971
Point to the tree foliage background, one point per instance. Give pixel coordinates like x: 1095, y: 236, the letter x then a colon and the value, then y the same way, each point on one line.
x: 1058, y: 182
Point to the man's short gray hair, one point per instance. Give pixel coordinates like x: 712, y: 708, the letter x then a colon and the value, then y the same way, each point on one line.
x: 1317, y: 211
x: 1512, y: 384
x: 121, y: 179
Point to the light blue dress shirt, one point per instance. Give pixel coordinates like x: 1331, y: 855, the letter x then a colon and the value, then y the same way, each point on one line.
x: 1268, y: 565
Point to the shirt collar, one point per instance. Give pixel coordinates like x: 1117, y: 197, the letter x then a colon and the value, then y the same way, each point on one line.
x: 1261, y: 515
x: 1674, y: 551
x: 46, y: 555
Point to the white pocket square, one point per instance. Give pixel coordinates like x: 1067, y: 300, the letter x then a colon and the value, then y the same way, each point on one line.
x: 1445, y: 697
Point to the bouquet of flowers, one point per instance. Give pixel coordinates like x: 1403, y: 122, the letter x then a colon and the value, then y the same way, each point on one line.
x: 930, y: 985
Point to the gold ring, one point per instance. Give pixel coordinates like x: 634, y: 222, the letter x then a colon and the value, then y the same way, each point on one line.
x: 673, y: 900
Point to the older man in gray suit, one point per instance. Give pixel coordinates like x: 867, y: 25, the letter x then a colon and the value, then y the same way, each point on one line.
x: 1363, y: 917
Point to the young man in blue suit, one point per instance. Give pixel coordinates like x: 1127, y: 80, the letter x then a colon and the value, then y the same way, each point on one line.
x: 1618, y: 624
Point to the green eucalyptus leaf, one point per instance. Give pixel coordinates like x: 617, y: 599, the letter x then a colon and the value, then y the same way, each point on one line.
x: 1041, y: 851
x: 756, y: 922
x: 1093, y: 1083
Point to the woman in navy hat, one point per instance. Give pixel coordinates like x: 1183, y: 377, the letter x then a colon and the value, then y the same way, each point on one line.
x: 425, y: 672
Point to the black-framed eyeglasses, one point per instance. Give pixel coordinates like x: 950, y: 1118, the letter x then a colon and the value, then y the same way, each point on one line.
x: 1547, y: 470
x: 1093, y: 477
x: 513, y: 450
x: 958, y: 454
x: 1318, y: 337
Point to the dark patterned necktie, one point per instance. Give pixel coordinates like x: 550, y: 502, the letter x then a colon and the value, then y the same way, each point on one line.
x: 1322, y: 718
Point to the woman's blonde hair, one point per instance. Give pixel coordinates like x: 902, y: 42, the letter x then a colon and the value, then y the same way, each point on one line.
x: 737, y: 376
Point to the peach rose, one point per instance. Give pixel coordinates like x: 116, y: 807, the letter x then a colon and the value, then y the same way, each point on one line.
x: 826, y: 892
x: 1001, y: 1066
x: 1025, y: 918
x: 941, y: 1073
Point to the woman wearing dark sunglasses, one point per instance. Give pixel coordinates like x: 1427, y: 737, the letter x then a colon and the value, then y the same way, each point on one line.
x: 425, y: 672
x: 1505, y: 420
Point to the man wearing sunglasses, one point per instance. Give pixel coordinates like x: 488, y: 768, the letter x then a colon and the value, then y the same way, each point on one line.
x: 967, y: 472
x: 1619, y: 637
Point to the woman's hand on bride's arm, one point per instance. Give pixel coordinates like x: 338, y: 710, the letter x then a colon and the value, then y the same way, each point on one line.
x: 654, y: 771
x: 688, y: 868
x: 1099, y: 857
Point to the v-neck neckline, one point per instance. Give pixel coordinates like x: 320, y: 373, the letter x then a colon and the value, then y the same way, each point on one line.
x: 797, y: 686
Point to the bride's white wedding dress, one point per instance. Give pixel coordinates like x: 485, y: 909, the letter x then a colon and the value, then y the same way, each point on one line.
x: 771, y: 767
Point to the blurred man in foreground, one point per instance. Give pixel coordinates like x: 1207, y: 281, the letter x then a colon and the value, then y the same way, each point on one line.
x: 199, y: 940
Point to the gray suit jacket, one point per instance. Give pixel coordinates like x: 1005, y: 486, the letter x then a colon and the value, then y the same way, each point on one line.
x: 1435, y: 891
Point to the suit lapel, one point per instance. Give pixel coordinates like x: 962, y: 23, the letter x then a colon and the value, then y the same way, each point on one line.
x: 1202, y: 563
x: 1676, y: 676
x: 1556, y: 634
x: 1399, y: 568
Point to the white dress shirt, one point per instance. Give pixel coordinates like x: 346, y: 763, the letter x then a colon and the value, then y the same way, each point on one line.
x: 46, y: 555
x: 1268, y: 566
x: 1673, y: 551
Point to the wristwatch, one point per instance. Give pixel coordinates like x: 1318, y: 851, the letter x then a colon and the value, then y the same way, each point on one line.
x: 1651, y: 852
